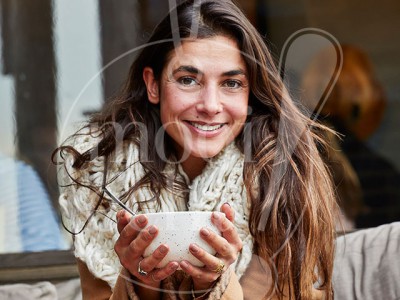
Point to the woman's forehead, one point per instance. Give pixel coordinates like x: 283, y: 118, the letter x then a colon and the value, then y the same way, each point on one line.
x: 219, y: 52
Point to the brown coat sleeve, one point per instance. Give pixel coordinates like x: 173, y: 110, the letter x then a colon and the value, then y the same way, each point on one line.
x: 257, y: 281
x: 97, y: 289
x: 233, y: 290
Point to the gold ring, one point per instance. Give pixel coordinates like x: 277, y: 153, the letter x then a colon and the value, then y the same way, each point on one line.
x: 220, y: 268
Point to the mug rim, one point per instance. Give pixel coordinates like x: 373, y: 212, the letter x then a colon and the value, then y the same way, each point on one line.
x: 177, y: 212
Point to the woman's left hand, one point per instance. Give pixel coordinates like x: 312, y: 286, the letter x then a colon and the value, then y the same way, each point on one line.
x: 227, y: 246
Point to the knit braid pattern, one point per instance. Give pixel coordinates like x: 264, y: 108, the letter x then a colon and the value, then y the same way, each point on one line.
x: 220, y: 182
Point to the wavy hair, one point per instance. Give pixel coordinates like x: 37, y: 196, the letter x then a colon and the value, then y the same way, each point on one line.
x: 289, y: 188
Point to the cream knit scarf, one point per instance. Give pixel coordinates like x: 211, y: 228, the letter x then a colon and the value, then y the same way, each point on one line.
x: 221, y: 181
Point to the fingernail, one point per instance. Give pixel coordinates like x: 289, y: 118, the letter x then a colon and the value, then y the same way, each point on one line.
x: 152, y: 229
x: 204, y: 232
x: 216, y: 215
x: 227, y: 204
x: 194, y: 248
x: 141, y: 219
x: 184, y: 264
x: 174, y: 266
x: 122, y: 214
x: 163, y: 249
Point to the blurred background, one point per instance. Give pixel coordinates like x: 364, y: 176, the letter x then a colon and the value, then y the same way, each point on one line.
x: 62, y: 59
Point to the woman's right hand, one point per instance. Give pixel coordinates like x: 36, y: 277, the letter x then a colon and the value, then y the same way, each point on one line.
x: 131, y: 244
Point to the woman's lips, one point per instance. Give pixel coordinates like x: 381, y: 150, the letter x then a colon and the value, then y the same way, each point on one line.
x: 206, y: 129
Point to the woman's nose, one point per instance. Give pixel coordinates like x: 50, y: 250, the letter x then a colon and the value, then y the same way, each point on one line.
x: 209, y: 101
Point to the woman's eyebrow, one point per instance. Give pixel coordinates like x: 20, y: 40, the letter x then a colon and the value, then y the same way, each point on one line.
x: 196, y: 71
x: 234, y: 73
x: 189, y: 69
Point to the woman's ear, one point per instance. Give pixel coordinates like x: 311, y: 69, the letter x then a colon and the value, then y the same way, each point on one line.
x: 151, y: 85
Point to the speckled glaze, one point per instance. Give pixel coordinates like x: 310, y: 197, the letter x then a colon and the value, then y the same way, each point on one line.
x: 178, y: 230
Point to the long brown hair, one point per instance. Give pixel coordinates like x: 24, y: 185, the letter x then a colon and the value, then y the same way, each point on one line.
x: 288, y: 186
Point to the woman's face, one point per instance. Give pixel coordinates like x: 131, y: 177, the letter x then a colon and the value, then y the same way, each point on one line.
x: 203, y: 95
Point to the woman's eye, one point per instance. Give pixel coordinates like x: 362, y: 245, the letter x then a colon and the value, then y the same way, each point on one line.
x: 233, y: 84
x: 187, y: 81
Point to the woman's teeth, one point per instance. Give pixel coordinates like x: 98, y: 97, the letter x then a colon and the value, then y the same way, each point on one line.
x: 206, y: 127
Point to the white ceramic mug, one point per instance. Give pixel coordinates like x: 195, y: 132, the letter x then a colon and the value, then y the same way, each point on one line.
x: 178, y: 230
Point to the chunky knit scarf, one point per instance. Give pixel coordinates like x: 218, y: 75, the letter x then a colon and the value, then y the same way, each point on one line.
x: 221, y: 181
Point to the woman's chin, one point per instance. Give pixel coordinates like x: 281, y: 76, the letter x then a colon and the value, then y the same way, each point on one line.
x: 205, y: 152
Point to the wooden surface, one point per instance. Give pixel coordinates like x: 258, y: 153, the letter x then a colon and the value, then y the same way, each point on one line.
x: 37, y: 266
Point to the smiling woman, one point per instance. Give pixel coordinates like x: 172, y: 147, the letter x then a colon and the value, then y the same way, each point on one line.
x: 203, y: 96
x: 179, y: 136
